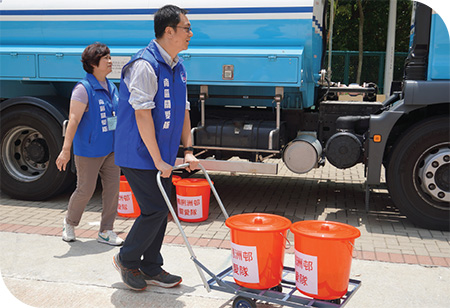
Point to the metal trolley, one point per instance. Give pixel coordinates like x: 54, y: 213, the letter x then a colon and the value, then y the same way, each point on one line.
x: 283, y: 294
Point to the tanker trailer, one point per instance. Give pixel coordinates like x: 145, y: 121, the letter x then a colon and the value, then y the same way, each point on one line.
x: 256, y: 89
x: 244, y: 60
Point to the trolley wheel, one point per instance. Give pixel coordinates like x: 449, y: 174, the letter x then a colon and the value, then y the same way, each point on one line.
x: 244, y: 302
x: 334, y: 301
x: 277, y: 288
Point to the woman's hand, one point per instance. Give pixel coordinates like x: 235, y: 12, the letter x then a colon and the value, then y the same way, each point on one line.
x: 62, y: 160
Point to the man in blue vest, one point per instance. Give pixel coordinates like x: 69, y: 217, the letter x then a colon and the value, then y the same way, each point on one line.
x: 152, y: 118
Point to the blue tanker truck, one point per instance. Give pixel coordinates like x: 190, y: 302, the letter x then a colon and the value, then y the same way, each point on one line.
x: 257, y: 90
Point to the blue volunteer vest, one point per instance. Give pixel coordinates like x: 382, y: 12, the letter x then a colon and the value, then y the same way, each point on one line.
x: 93, y: 138
x: 168, y: 114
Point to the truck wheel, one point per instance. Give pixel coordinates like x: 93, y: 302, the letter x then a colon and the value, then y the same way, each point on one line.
x: 418, y: 174
x: 30, y: 142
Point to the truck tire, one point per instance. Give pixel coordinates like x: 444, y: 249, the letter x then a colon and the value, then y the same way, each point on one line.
x: 30, y: 142
x: 418, y: 174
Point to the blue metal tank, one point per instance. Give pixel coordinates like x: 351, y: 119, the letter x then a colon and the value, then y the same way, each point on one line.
x: 268, y: 45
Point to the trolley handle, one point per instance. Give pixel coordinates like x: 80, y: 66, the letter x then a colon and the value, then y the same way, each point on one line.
x: 182, y: 166
x: 177, y: 222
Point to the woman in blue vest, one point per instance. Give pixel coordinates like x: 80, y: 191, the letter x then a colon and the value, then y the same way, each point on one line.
x: 91, y: 127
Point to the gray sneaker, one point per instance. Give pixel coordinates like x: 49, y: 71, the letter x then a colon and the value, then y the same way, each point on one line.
x: 68, y: 234
x: 132, y: 278
x: 163, y: 279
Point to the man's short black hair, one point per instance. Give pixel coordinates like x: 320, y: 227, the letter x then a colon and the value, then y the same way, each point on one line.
x: 167, y: 16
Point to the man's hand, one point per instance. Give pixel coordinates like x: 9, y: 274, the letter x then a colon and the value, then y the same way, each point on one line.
x: 190, y: 159
x: 165, y: 168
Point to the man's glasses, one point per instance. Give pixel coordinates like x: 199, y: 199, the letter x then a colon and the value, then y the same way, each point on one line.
x: 187, y: 29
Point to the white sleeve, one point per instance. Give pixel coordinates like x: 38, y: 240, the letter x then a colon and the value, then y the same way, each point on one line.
x: 188, y: 103
x: 142, y: 83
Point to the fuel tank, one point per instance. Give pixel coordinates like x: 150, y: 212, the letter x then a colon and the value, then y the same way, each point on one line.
x: 239, y: 134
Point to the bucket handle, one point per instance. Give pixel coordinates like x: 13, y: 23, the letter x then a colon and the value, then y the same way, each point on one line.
x: 290, y: 245
x: 354, y: 249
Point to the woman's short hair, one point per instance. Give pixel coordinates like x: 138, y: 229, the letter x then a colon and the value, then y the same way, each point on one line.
x: 92, y: 54
x: 167, y: 16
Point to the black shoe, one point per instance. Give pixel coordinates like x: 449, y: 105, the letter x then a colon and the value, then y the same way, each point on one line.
x: 133, y: 278
x: 163, y: 279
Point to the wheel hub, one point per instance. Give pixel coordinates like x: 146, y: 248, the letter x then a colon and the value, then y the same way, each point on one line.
x: 434, y: 175
x: 25, y: 153
x: 37, y: 151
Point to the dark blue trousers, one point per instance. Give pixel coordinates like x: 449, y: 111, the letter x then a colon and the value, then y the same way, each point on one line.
x: 142, y: 246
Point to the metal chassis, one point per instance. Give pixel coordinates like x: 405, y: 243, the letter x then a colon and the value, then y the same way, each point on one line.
x: 224, y: 282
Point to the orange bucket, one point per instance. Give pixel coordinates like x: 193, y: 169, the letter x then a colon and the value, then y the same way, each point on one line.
x: 193, y: 199
x: 175, y: 178
x: 128, y: 206
x: 257, y: 248
x: 323, y: 257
